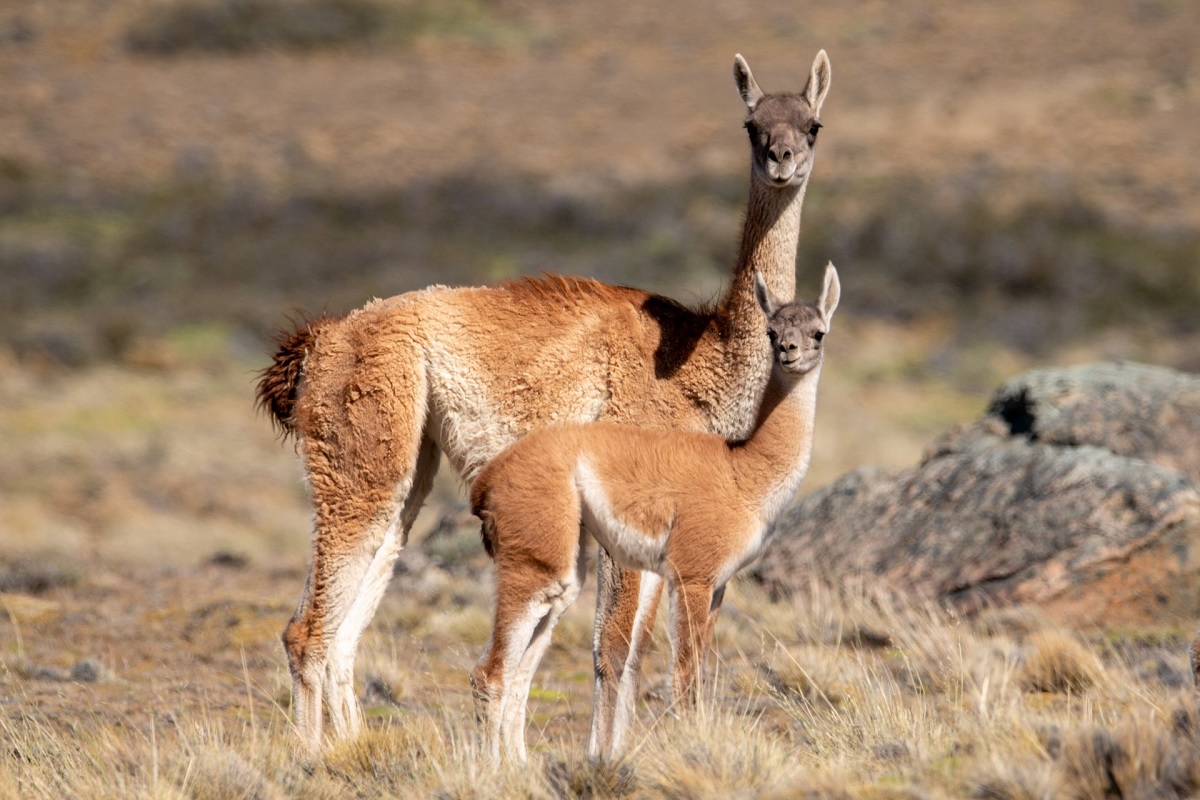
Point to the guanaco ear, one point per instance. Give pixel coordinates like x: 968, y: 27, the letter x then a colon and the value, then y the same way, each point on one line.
x: 831, y: 292
x: 763, y: 295
x: 818, y: 82
x: 746, y: 85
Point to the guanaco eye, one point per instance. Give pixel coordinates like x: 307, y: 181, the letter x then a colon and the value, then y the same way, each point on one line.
x: 819, y: 335
x: 812, y: 133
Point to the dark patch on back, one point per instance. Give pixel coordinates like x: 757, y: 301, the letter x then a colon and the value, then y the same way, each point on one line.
x: 681, y: 329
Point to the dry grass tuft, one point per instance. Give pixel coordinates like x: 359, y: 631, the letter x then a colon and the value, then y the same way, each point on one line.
x: 464, y: 771
x: 801, y: 674
x: 471, y: 626
x: 95, y: 761
x: 577, y: 777
x: 1057, y: 662
x: 715, y: 753
x: 1008, y: 780
x: 218, y: 772
x: 387, y: 678
x: 390, y: 757
x: 1138, y: 758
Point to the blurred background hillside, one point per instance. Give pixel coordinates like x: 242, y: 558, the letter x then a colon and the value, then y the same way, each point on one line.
x: 1001, y: 185
x: 1027, y: 170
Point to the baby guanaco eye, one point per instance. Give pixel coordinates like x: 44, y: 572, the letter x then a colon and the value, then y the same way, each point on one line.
x: 816, y: 126
x: 819, y: 335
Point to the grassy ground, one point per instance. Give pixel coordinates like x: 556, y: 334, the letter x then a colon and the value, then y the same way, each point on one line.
x: 831, y: 696
x: 1029, y: 173
x: 154, y: 544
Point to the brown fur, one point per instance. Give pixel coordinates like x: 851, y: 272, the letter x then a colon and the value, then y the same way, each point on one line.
x: 374, y: 397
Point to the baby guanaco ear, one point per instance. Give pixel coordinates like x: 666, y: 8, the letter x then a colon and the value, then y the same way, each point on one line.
x: 830, y: 293
x: 818, y: 82
x: 746, y: 85
x: 763, y: 295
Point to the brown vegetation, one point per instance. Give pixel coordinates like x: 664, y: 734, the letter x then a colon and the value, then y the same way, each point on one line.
x: 191, y: 707
x: 1057, y: 662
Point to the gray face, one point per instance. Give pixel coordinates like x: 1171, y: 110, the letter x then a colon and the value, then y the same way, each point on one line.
x: 783, y: 134
x: 797, y: 333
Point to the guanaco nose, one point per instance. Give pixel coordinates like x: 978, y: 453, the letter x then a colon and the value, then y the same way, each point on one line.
x: 779, y: 153
x: 788, y: 347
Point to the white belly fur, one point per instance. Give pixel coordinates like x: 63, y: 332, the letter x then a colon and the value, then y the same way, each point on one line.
x: 628, y: 546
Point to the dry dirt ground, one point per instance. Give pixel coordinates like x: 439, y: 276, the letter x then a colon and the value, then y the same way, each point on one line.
x: 153, y: 533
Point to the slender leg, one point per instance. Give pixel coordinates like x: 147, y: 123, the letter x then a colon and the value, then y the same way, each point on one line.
x: 344, y: 712
x: 1194, y: 658
x: 486, y: 693
x: 535, y: 543
x: 361, y: 486
x: 517, y: 692
x: 518, y: 696
x: 610, y: 647
x: 343, y: 705
x: 329, y: 594
x: 626, y: 605
x: 522, y: 613
x: 627, y: 689
x: 491, y: 680
x: 713, y: 612
x: 690, y: 604
x: 306, y: 662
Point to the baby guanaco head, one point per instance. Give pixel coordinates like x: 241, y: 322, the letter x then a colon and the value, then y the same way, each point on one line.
x: 798, y: 329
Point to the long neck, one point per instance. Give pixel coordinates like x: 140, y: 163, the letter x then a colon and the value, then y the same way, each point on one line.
x: 771, y: 464
x: 770, y: 236
x: 733, y: 358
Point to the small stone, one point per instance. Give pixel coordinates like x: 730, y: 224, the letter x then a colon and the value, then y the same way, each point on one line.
x: 86, y: 671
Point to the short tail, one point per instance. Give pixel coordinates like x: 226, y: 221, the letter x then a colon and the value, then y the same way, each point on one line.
x: 278, y: 384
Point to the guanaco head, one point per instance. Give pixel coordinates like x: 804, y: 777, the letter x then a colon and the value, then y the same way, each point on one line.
x: 783, y: 127
x: 798, y: 329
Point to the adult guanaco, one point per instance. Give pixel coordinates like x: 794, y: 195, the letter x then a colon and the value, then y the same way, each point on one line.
x: 374, y: 397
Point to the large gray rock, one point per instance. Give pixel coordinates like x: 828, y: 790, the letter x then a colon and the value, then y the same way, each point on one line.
x: 1134, y: 410
x: 1077, y: 489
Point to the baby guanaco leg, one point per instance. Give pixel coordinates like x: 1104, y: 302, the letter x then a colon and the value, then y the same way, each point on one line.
x: 691, y: 605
